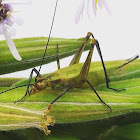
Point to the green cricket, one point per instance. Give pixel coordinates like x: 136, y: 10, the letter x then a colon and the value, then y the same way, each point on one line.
x: 71, y: 76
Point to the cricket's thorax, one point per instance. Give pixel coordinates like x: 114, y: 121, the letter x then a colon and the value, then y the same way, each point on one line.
x: 64, y: 77
x: 39, y: 85
x: 69, y: 76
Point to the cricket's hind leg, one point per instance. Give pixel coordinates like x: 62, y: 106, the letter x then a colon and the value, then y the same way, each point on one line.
x: 129, y: 61
x: 98, y: 95
x: 82, y: 76
x: 30, y: 78
x: 104, y: 68
x: 78, y: 54
x: 81, y: 79
x: 85, y: 69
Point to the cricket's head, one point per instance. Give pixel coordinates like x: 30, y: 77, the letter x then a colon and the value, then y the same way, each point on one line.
x: 40, y: 84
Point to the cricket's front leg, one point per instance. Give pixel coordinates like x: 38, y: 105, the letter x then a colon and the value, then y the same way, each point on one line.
x: 46, y: 111
x: 30, y: 78
x: 47, y: 120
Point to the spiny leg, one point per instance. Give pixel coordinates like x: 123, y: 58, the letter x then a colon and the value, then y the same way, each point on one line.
x: 98, y: 95
x: 57, y: 58
x: 30, y: 78
x: 78, y: 54
x: 104, y: 68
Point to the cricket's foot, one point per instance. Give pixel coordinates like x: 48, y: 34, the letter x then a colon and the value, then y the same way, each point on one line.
x: 47, y: 111
x: 47, y: 120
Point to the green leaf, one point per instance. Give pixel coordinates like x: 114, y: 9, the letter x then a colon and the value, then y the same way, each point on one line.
x: 32, y: 50
x: 78, y: 105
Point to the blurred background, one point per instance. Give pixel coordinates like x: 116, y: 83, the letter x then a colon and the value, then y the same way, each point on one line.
x: 118, y: 33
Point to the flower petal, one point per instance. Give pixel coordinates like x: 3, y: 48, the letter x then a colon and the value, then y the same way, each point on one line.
x: 88, y: 7
x: 11, y: 45
x: 100, y: 3
x: 1, y: 29
x: 9, y: 7
x: 105, y: 4
x: 12, y: 31
x: 80, y: 11
x: 9, y: 21
x: 19, y: 21
x: 93, y: 7
x: 17, y: 2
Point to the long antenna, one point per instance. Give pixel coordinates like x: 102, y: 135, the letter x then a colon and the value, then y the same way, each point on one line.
x: 48, y: 37
x: 14, y: 88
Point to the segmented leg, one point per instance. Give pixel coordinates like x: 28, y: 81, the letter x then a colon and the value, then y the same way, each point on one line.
x: 98, y: 95
x: 30, y: 78
x: 85, y: 69
x: 50, y: 105
x: 61, y: 94
x: 77, y: 56
x: 57, y: 57
x: 104, y: 68
x: 86, y: 66
x: 82, y: 76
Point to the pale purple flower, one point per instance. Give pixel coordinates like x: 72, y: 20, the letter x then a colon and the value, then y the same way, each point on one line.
x: 90, y: 4
x: 6, y: 22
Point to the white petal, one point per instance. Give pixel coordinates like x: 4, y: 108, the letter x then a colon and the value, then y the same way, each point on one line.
x: 1, y: 29
x: 17, y: 2
x: 11, y: 45
x: 12, y: 18
x: 88, y: 7
x: 100, y: 3
x: 12, y: 31
x: 93, y: 7
x: 9, y: 21
x: 19, y: 21
x: 80, y: 11
x: 105, y: 4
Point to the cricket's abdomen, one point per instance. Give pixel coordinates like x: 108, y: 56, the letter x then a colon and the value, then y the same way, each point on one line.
x: 69, y: 75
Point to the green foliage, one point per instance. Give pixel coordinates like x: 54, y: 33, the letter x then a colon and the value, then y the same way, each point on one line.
x: 36, y: 47
x: 78, y: 105
x: 83, y: 104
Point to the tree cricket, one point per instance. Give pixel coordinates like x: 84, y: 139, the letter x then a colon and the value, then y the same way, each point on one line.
x: 69, y: 80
